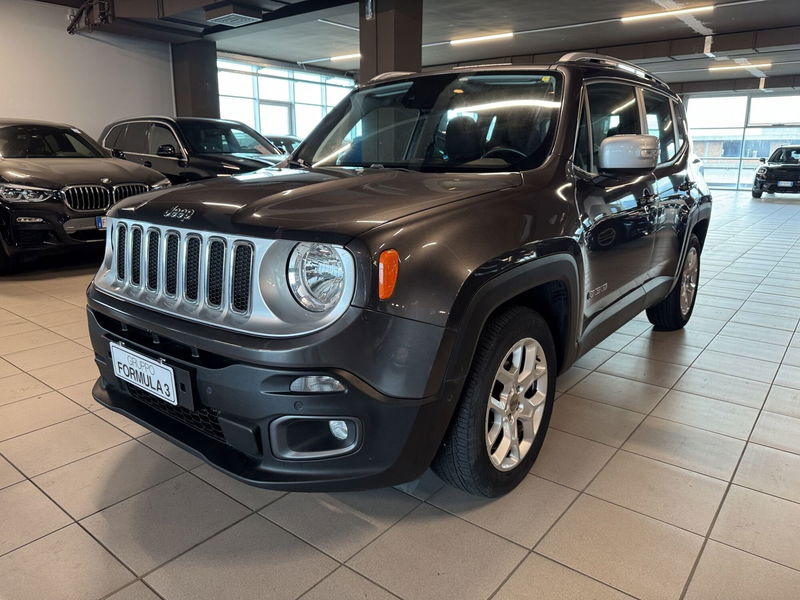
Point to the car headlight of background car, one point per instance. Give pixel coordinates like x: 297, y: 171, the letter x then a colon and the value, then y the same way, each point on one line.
x: 164, y: 183
x: 761, y: 171
x: 316, y: 276
x: 24, y: 193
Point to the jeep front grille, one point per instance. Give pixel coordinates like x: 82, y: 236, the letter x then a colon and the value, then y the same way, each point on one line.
x: 93, y: 198
x: 191, y: 263
x: 228, y: 281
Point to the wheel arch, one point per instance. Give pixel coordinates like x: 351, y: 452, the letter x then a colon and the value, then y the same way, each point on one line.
x: 550, y: 285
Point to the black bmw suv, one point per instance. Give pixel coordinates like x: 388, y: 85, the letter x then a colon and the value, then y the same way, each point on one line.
x: 56, y: 184
x: 188, y: 149
x: 405, y: 292
x: 779, y: 173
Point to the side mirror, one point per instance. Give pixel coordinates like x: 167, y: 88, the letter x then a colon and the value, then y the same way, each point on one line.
x: 763, y: 160
x: 628, y: 154
x: 167, y: 150
x: 117, y: 153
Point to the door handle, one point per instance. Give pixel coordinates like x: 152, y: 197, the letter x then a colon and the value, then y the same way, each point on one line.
x: 147, y: 163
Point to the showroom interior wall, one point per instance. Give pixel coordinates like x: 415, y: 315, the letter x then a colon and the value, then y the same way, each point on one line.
x: 87, y: 80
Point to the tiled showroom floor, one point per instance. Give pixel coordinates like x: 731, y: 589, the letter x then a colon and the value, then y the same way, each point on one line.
x: 672, y: 469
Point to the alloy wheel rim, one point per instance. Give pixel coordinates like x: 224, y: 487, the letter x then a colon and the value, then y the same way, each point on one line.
x: 691, y: 268
x: 516, y: 404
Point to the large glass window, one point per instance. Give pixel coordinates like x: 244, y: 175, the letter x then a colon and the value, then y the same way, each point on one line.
x: 732, y: 133
x: 277, y: 101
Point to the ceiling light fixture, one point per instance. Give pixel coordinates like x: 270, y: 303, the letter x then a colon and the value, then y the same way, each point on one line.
x: 482, y: 38
x: 742, y: 66
x: 668, y: 13
x: 345, y: 56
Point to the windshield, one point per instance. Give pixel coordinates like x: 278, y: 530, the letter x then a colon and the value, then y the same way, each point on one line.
x: 452, y: 122
x: 786, y: 156
x: 221, y: 138
x: 42, y: 141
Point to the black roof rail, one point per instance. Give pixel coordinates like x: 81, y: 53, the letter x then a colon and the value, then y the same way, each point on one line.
x: 610, y: 61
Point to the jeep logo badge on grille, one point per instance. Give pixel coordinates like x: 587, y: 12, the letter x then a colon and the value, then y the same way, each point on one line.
x: 182, y: 214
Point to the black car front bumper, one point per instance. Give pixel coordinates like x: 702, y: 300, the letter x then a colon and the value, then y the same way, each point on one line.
x: 772, y: 183
x: 229, y: 405
x: 36, y: 228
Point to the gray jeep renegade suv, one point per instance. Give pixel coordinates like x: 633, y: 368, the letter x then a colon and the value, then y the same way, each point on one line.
x: 404, y: 290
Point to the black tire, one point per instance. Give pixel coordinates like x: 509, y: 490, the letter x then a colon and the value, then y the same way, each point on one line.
x: 757, y: 194
x: 463, y: 459
x: 667, y: 315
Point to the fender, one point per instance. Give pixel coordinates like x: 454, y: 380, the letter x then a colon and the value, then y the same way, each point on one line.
x: 473, y: 307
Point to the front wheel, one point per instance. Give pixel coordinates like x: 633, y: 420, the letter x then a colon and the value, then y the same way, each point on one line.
x: 674, y: 311
x: 757, y: 193
x: 501, y: 420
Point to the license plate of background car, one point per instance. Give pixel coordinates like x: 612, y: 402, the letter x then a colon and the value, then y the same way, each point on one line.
x: 785, y: 183
x: 102, y: 222
x: 145, y: 373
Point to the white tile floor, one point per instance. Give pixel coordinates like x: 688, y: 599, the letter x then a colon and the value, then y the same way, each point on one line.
x: 672, y: 469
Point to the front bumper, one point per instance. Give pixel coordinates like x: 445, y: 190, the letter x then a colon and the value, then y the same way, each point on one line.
x: 771, y: 186
x: 226, y: 407
x: 58, y: 228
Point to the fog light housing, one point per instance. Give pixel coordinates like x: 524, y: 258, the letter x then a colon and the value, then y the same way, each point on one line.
x: 316, y: 384
x: 30, y: 220
x: 295, y: 437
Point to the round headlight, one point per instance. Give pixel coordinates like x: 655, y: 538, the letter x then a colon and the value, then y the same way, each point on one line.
x: 761, y: 170
x: 316, y: 276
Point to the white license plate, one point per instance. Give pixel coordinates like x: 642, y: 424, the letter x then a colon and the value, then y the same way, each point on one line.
x: 101, y: 222
x: 785, y: 183
x: 145, y: 373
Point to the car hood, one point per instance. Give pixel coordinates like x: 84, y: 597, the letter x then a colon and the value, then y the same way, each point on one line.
x: 245, y: 160
x: 55, y: 173
x: 324, y: 205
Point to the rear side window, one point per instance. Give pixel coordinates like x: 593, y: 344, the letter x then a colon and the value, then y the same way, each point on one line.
x: 135, y: 138
x: 614, y: 110
x: 659, y: 123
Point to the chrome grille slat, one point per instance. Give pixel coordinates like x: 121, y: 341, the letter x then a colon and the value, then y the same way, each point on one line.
x: 216, y: 273
x: 136, y: 255
x: 192, y: 268
x: 122, y: 236
x: 153, y: 256
x: 171, y: 264
x: 241, y: 280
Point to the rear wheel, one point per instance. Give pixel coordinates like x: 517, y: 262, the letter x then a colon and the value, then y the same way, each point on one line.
x: 502, y: 418
x: 674, y: 311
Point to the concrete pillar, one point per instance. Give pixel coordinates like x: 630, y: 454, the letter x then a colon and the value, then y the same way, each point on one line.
x: 390, y: 33
x: 194, y: 73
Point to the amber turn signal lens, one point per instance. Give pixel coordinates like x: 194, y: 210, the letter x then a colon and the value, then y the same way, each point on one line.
x: 388, y: 267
